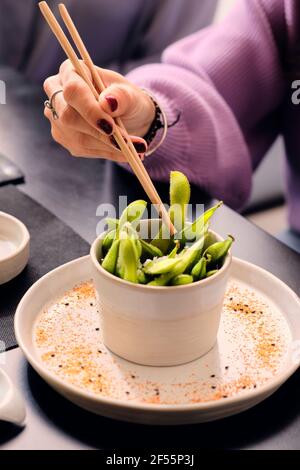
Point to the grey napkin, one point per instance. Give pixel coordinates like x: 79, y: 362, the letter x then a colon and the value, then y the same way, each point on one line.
x: 52, y: 243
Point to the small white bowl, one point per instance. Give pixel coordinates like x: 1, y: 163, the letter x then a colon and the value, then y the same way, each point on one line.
x: 14, y: 247
x: 158, y: 326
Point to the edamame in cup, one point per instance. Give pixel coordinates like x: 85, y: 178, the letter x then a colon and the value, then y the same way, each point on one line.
x: 161, y: 296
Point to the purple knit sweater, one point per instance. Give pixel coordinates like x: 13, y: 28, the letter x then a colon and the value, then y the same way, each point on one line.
x: 232, y: 84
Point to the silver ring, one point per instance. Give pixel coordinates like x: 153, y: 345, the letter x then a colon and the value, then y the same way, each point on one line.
x: 50, y: 104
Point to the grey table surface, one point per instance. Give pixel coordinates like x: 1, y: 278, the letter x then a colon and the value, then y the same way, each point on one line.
x: 72, y: 189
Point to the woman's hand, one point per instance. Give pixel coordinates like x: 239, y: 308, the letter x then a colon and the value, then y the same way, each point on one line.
x: 85, y: 126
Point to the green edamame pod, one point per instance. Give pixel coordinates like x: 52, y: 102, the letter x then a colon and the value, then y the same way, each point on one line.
x: 132, y: 233
x: 218, y: 250
x: 150, y: 251
x: 163, y: 240
x: 180, y: 193
x: 108, y: 240
x: 186, y: 261
x: 139, y: 248
x: 182, y: 279
x: 199, y: 270
x: 127, y: 260
x: 159, y: 281
x: 209, y: 240
x: 160, y: 266
x: 173, y: 253
x: 133, y: 213
x: 111, y: 223
x: 198, y: 227
x: 109, y: 262
x: 142, y: 278
x: 210, y: 212
x: 211, y: 273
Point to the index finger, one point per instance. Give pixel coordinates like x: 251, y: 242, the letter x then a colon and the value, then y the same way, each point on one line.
x: 78, y: 95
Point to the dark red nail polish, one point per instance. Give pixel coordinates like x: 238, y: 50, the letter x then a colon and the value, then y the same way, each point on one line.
x: 105, y: 126
x: 113, y: 104
x: 114, y: 142
x: 140, y: 147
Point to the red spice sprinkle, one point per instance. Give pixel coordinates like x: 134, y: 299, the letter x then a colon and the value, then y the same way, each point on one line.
x: 85, y: 355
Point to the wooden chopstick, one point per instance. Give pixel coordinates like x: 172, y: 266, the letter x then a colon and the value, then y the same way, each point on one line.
x: 129, y: 152
x: 66, y: 17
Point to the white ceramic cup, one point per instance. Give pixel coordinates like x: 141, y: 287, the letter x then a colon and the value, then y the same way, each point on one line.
x: 158, y: 326
x: 14, y: 247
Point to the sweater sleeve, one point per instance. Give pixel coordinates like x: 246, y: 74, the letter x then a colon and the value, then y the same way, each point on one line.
x: 227, y: 83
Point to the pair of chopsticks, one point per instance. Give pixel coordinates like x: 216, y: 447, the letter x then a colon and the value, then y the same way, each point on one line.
x: 128, y: 148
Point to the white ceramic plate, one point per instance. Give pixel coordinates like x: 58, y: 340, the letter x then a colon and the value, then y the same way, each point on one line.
x: 258, y: 349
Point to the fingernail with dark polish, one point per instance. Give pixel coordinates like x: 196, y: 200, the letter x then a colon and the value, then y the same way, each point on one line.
x: 113, y: 104
x: 114, y: 142
x: 140, y: 147
x: 105, y: 126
